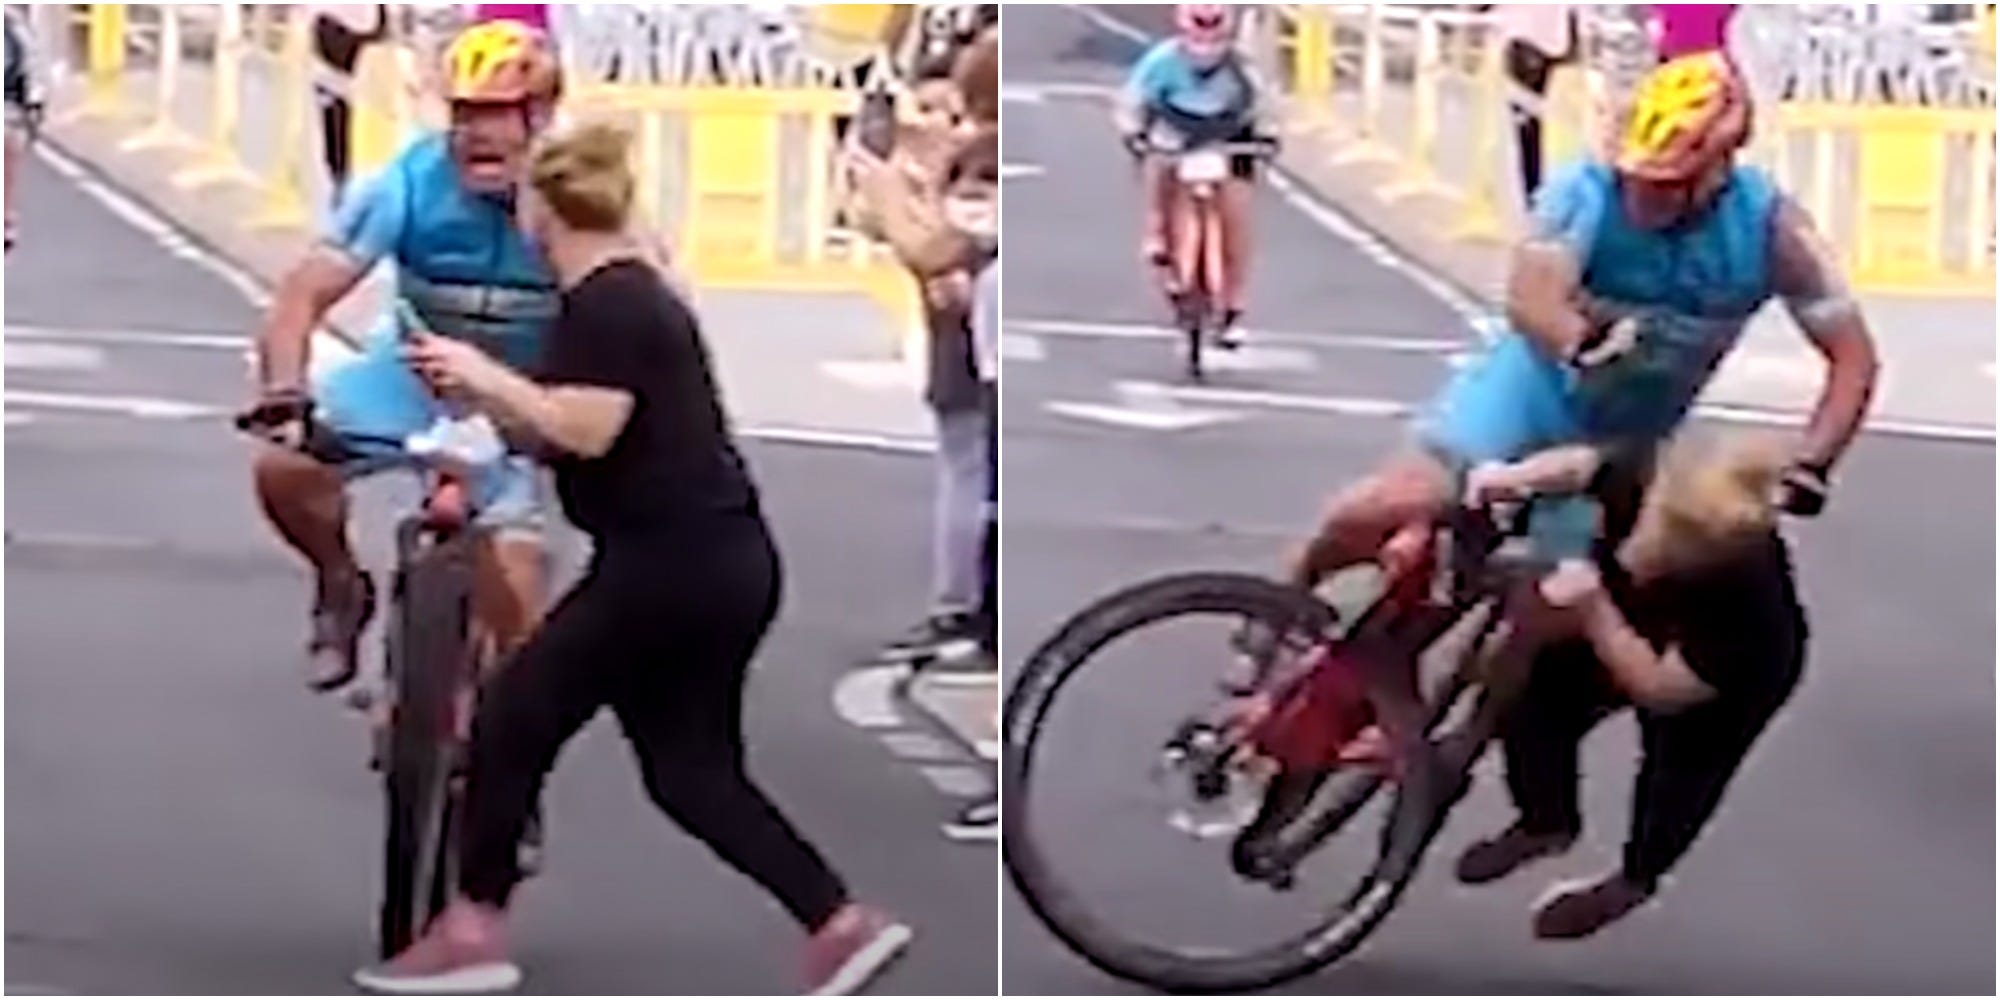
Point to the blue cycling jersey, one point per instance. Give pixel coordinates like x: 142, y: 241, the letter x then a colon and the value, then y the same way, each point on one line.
x: 461, y: 262
x: 1694, y: 287
x: 467, y: 272
x: 1202, y: 105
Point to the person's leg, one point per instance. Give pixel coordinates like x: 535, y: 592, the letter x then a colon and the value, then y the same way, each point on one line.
x: 1236, y: 195
x: 681, y: 708
x: 539, y: 699
x: 1689, y: 759
x: 1159, y: 191
x: 1410, y: 488
x: 335, y: 123
x: 961, y: 503
x: 306, y: 501
x: 1528, y: 68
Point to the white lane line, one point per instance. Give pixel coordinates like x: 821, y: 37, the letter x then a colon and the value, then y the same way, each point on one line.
x: 1727, y: 413
x: 1011, y: 171
x: 1015, y: 94
x: 1143, y: 418
x: 141, y: 407
x: 914, y: 746
x: 956, y: 780
x: 1109, y: 23
x: 839, y: 439
x: 1021, y: 347
x: 1345, y: 406
x: 18, y: 419
x: 132, y: 338
x: 49, y: 357
x: 153, y: 225
x: 1327, y: 341
x: 875, y: 375
x: 866, y: 698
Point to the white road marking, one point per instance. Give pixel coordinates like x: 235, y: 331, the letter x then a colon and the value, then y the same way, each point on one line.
x: 1146, y: 417
x: 1346, y: 406
x: 959, y: 781
x: 142, y: 407
x: 919, y: 746
x: 866, y: 698
x: 1310, y: 341
x: 18, y: 419
x: 132, y: 338
x: 884, y: 374
x: 49, y: 357
x: 1021, y: 347
x: 1010, y: 171
x: 1727, y: 413
x: 839, y: 439
x: 1013, y: 94
x: 1109, y: 23
x: 1042, y: 93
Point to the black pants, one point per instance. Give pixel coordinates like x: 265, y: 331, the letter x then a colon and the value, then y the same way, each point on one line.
x: 986, y: 618
x: 662, y: 631
x: 1689, y: 756
x: 333, y: 121
x: 1529, y: 67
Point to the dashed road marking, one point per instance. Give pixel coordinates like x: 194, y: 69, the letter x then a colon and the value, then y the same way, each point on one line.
x: 49, y: 357
x: 1255, y: 336
x: 1012, y: 171
x: 866, y: 699
x: 141, y: 407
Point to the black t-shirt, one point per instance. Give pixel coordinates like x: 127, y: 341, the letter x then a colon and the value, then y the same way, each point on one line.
x: 1737, y: 622
x: 673, y: 463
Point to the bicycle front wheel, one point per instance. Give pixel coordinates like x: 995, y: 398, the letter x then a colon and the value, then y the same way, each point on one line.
x: 429, y: 653
x: 1149, y: 942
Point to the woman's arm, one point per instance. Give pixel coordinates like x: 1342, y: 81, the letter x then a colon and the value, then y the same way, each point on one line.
x: 578, y: 419
x: 1657, y: 680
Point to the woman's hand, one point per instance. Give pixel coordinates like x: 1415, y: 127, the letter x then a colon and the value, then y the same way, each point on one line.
x: 1574, y: 586
x: 453, y: 367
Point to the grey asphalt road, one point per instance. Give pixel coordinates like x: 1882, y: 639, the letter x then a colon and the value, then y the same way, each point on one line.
x: 184, y: 818
x: 1855, y: 852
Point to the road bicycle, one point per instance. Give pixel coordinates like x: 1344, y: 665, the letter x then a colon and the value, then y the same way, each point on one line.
x: 435, y: 655
x: 1262, y: 761
x: 1197, y: 270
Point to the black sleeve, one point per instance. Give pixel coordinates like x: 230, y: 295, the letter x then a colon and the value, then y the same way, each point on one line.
x: 1740, y: 624
x: 597, y: 341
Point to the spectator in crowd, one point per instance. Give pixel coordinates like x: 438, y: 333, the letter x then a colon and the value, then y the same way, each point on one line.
x: 1539, y: 37
x: 340, y: 32
x: 24, y: 105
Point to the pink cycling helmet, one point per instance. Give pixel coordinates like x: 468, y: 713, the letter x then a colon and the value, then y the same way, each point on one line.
x: 1204, y: 30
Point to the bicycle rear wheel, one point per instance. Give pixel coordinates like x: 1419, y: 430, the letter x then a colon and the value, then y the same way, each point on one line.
x: 1333, y: 932
x: 429, y: 654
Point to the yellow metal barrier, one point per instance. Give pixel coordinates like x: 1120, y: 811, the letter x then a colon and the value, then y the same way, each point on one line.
x: 283, y: 205
x: 163, y: 133
x: 105, y: 61
x: 220, y: 163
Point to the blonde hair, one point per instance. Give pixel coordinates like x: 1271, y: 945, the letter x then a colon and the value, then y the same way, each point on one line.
x: 1712, y: 494
x: 585, y: 174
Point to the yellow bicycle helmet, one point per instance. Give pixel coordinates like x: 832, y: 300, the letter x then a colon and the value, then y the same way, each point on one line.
x: 1688, y: 115
x: 501, y: 62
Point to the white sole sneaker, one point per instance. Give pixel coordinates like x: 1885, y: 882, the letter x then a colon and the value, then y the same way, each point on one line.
x: 489, y: 977
x: 867, y: 962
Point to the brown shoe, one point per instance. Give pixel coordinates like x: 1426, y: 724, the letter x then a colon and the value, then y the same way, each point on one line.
x: 1497, y: 857
x: 1579, y: 909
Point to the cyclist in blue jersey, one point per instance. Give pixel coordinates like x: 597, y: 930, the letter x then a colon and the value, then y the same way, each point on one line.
x: 1186, y: 91
x: 1635, y: 279
x: 442, y: 212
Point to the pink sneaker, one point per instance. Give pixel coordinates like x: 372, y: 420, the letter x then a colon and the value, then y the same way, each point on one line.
x: 858, y: 943
x: 463, y: 951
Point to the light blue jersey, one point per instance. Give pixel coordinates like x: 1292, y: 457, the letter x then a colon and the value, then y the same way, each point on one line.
x: 466, y: 271
x: 1694, y: 286
x: 1200, y: 106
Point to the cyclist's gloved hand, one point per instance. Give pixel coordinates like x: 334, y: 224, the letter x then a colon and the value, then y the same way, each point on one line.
x: 1803, y: 489
x: 1606, y: 344
x: 278, y: 416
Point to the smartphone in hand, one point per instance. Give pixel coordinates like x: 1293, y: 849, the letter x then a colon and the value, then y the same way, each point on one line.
x: 875, y: 123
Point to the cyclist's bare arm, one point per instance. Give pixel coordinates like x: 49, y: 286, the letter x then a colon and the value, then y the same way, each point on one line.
x: 1544, y: 293
x: 1815, y: 292
x: 1563, y: 469
x: 321, y: 278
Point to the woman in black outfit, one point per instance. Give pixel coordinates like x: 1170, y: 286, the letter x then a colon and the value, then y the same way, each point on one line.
x: 682, y: 586
x: 1693, y: 620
